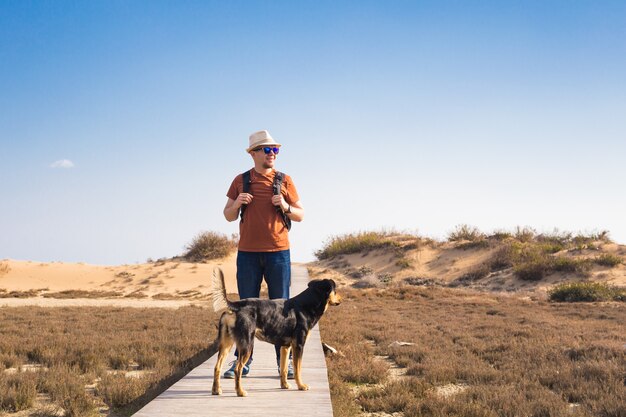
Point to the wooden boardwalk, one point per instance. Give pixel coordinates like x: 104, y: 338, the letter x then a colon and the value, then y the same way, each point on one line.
x: 191, y: 396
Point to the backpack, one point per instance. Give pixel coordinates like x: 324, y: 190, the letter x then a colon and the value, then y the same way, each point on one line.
x: 278, y: 181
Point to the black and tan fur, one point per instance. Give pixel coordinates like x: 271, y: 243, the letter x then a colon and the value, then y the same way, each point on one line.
x: 279, y: 322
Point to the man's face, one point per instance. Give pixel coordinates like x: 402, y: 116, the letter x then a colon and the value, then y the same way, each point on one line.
x: 266, y: 160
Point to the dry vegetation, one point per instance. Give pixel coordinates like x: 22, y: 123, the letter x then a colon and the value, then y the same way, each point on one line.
x: 470, y: 257
x: 79, y: 360
x: 4, y: 268
x: 354, y: 243
x: 474, y: 354
x: 210, y: 245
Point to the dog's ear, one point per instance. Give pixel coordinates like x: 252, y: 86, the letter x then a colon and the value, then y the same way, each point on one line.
x: 323, y: 286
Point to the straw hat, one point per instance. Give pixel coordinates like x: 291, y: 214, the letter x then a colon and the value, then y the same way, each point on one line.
x: 261, y: 138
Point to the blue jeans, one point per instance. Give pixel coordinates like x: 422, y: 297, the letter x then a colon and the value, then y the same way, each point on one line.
x: 275, y: 267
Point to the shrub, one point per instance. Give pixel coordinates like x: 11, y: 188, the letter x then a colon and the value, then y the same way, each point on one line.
x: 403, y: 263
x: 557, y: 238
x: 532, y: 271
x: 67, y: 389
x: 355, y: 243
x: 563, y: 264
x: 476, y: 244
x: 586, y: 291
x: 501, y: 235
x: 475, y: 274
x: 551, y: 247
x: 608, y: 259
x: 4, y: 268
x: 17, y: 392
x: 361, y: 272
x: 525, y: 234
x: 530, y: 263
x: 117, y: 390
x: 209, y: 245
x: 505, y: 256
x: 583, y: 240
x: 465, y: 232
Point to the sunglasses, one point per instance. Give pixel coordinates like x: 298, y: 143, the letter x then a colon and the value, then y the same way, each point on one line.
x: 267, y: 150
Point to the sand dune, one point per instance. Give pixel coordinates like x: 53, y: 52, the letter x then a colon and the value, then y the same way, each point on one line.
x: 161, y: 283
x: 447, y: 264
x: 175, y: 282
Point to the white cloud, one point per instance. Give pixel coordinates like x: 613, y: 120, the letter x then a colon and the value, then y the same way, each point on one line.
x: 62, y: 163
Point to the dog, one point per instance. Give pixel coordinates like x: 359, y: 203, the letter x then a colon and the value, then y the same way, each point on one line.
x: 280, y: 322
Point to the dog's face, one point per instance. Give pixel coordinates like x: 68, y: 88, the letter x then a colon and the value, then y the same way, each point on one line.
x: 327, y: 288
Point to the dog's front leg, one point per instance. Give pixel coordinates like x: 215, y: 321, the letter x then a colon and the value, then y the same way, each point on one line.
x: 297, y: 365
x: 284, y: 359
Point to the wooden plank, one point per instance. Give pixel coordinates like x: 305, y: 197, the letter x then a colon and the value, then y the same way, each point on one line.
x: 191, y: 396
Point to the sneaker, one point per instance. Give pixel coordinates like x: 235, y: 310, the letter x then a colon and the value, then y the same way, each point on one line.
x: 289, y: 370
x: 230, y: 374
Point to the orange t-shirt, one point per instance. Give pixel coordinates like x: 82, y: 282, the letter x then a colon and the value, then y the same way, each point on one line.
x: 262, y: 229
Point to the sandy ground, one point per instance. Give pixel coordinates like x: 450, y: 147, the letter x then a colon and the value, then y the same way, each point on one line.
x: 188, y: 283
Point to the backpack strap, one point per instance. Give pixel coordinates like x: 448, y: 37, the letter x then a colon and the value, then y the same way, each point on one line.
x: 278, y: 182
x: 246, y: 189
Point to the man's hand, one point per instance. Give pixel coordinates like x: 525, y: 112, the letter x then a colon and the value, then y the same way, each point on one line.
x: 243, y: 198
x: 279, y: 201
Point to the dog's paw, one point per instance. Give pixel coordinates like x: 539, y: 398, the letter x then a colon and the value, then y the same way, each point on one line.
x: 285, y: 385
x: 303, y: 387
x: 242, y: 393
x: 216, y: 391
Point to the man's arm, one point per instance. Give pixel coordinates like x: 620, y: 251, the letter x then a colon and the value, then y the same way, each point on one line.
x: 297, y: 212
x: 294, y: 211
x: 231, y: 210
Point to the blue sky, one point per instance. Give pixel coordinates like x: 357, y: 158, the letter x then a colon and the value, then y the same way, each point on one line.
x: 410, y: 115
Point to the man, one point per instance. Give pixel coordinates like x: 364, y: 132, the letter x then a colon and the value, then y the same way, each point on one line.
x: 263, y: 233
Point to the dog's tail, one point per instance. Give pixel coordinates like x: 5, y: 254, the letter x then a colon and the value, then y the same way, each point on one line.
x: 220, y: 301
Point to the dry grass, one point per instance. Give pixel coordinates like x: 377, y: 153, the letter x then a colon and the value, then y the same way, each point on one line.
x: 72, y: 348
x: 4, y: 268
x: 70, y: 294
x: 209, y: 245
x: 512, y: 357
x: 371, y: 240
x: 464, y: 232
x: 19, y: 294
x: 354, y: 243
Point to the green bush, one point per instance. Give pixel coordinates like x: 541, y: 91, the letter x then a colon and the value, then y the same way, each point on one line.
x: 533, y: 270
x: 579, y: 266
x: 586, y: 291
x: 209, y: 245
x: 530, y: 263
x: 608, y: 259
x: 355, y: 243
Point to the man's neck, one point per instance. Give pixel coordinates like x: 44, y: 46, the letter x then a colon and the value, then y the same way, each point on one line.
x: 262, y: 170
